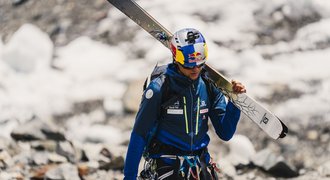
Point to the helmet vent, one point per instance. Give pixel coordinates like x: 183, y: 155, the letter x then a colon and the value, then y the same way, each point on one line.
x: 177, y: 40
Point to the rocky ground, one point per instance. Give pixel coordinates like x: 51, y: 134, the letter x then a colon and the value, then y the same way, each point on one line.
x: 62, y: 20
x: 43, y: 151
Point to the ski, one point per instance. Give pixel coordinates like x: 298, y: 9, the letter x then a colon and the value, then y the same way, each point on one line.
x: 265, y: 119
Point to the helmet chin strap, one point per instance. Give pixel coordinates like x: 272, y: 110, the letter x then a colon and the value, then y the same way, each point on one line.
x: 177, y: 67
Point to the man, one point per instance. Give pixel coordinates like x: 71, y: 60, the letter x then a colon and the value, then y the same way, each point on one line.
x: 174, y: 138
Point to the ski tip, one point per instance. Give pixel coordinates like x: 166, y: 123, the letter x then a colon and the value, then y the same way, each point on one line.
x: 285, y: 129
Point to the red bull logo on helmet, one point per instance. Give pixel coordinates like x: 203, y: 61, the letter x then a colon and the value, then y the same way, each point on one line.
x: 195, y: 57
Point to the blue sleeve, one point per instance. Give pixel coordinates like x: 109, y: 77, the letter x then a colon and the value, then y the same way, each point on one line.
x: 145, y: 122
x: 224, y: 117
x: 133, y: 156
x: 149, y: 110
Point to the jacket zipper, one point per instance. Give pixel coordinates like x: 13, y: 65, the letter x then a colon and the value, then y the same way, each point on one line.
x: 191, y: 117
x: 185, y: 114
x: 197, y: 116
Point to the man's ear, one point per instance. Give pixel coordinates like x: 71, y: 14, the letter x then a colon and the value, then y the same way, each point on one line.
x: 176, y: 64
x: 173, y: 61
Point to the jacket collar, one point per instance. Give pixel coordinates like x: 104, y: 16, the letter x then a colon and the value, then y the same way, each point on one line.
x: 178, y: 82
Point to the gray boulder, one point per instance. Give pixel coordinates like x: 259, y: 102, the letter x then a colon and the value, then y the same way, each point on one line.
x: 273, y: 164
x: 37, y: 129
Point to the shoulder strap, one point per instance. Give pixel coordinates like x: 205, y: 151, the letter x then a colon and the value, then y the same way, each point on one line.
x: 209, y: 86
x: 168, y: 97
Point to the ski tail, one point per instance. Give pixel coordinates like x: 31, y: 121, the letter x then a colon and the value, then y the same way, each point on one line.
x: 285, y: 129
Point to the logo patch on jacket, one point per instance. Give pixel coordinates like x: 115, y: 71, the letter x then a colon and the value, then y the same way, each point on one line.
x: 203, y: 103
x: 149, y: 94
x: 174, y: 111
x: 175, y: 108
x: 202, y: 111
x: 175, y: 105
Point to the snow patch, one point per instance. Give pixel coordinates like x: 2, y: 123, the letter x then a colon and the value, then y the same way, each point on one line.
x: 28, y: 50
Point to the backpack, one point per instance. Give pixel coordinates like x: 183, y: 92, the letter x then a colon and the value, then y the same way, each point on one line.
x: 168, y: 96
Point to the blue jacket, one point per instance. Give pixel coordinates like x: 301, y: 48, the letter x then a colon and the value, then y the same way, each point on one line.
x: 184, y: 124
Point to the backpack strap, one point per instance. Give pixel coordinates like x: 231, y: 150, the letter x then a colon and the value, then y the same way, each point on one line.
x: 168, y: 97
x: 210, y: 85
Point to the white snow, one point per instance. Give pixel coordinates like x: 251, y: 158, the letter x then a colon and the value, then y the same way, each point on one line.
x: 241, y: 150
x: 84, y: 59
x: 29, y: 49
x: 88, y: 128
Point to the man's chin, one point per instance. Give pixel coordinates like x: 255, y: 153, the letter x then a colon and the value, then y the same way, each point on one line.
x: 194, y: 77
